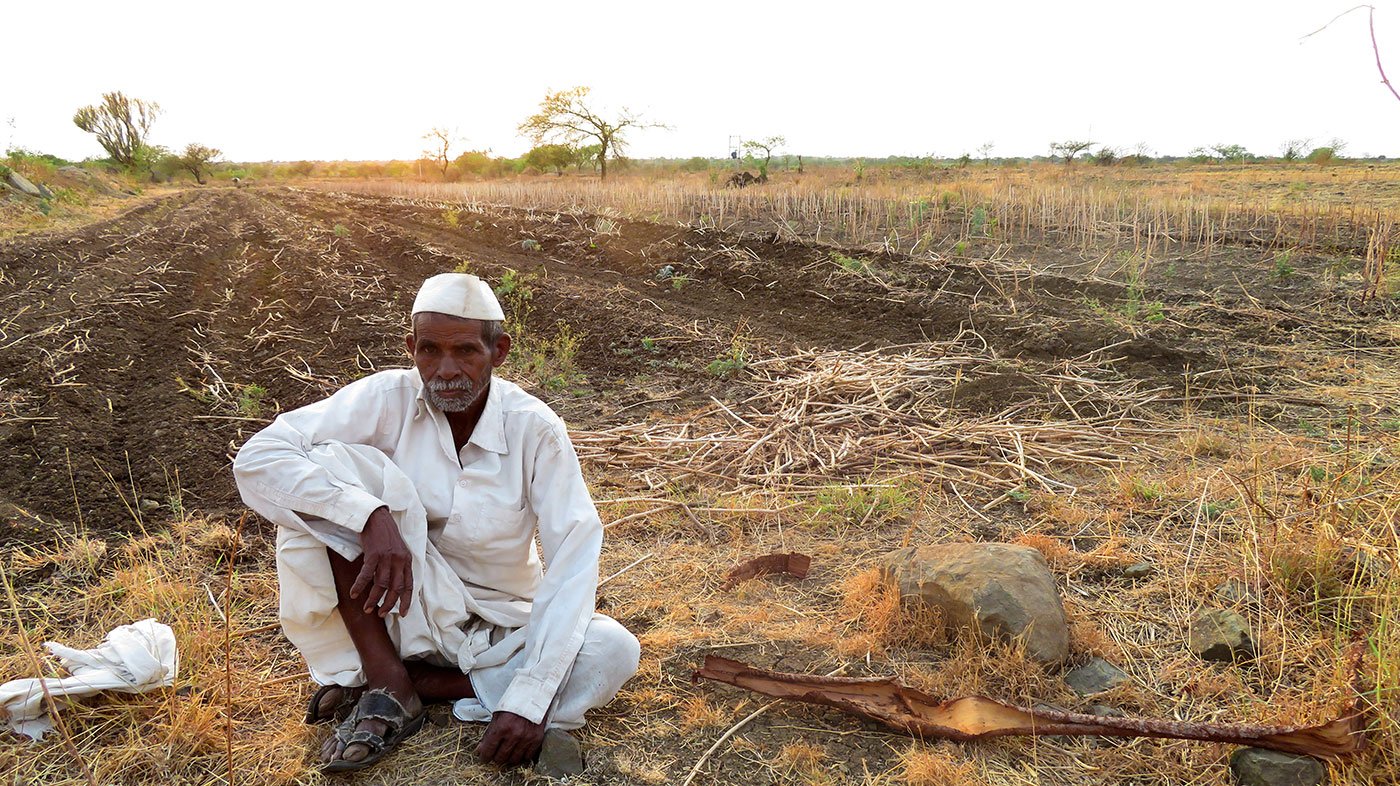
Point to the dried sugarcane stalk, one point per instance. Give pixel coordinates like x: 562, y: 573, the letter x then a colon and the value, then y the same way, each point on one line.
x: 975, y: 717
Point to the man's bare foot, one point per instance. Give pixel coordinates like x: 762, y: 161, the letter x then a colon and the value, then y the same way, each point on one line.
x: 333, y: 749
x: 332, y: 703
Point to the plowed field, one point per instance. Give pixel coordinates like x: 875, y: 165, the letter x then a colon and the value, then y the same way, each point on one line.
x: 138, y: 353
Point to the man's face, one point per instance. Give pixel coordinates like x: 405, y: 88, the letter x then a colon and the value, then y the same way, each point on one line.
x: 453, y: 359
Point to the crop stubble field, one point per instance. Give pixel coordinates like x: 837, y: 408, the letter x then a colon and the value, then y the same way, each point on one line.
x: 1106, y: 397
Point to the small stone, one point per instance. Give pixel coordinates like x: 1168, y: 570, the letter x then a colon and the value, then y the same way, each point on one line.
x: 665, y: 273
x: 1262, y: 767
x: 1096, y: 676
x: 1234, y: 591
x: 1220, y: 635
x: 147, y: 504
x: 530, y: 244
x: 1139, y: 570
x: 1105, y: 711
x: 560, y: 756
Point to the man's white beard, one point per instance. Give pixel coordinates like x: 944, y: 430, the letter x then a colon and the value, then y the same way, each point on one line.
x: 445, y: 404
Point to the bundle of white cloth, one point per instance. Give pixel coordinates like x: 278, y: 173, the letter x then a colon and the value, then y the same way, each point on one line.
x: 133, y: 658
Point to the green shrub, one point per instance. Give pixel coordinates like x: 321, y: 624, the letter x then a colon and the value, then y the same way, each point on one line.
x: 734, y: 360
x: 250, y: 400
x: 1322, y: 155
x: 850, y: 264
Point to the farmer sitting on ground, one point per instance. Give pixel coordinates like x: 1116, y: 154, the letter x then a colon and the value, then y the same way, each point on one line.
x: 407, y: 507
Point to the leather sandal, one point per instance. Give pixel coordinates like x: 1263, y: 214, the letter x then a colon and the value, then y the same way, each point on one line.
x: 378, y: 705
x: 349, y: 697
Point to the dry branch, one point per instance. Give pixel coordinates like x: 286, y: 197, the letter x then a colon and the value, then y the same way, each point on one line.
x: 975, y: 717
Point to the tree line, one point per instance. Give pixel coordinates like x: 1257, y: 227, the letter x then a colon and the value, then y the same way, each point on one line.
x: 568, y: 131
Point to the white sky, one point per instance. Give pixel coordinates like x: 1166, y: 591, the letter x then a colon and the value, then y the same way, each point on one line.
x: 295, y: 80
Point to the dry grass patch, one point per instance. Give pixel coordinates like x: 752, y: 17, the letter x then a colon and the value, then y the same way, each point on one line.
x: 940, y: 764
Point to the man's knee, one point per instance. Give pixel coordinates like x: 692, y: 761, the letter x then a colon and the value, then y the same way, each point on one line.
x: 611, y: 647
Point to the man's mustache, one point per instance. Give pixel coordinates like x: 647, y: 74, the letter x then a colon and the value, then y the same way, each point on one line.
x: 462, y: 383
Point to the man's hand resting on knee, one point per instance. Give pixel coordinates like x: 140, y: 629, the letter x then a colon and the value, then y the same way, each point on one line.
x: 511, y: 740
x: 386, y: 577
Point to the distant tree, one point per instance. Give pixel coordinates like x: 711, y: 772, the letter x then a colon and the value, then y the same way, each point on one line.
x: 1069, y: 148
x: 1107, y: 156
x: 1295, y: 149
x: 695, y: 164
x: 439, y: 149
x: 1327, y: 153
x: 477, y: 163
x: 196, y: 159
x: 547, y: 157
x: 368, y: 169
x: 1141, y: 154
x: 121, y: 125
x: 565, y: 116
x: 587, y: 156
x: 985, y: 151
x: 766, y: 146
x: 1229, y: 152
x: 162, y: 164
x: 301, y: 168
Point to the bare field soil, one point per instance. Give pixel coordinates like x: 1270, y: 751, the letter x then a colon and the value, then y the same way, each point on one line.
x: 732, y: 394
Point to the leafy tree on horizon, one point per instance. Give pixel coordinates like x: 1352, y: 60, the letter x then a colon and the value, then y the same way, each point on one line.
x: 1069, y: 148
x: 121, y: 125
x: 546, y: 157
x: 766, y: 146
x: 197, y: 160
x: 565, y: 116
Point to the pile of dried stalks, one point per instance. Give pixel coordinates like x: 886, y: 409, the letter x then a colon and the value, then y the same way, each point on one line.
x: 823, y: 416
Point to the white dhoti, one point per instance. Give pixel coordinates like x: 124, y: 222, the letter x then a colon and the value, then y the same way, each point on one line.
x: 445, y: 624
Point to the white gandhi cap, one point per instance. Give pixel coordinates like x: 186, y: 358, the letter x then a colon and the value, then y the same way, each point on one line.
x: 458, y: 295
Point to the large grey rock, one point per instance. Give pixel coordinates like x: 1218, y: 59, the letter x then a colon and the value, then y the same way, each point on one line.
x: 44, y: 191
x: 1262, y: 767
x: 1096, y: 676
x: 1001, y: 590
x: 560, y: 756
x: 1220, y: 635
x: 22, y: 185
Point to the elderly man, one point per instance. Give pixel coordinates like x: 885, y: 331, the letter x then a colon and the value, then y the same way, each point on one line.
x: 408, y: 505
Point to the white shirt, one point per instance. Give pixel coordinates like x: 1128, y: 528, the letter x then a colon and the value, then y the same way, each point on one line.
x: 516, y: 476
